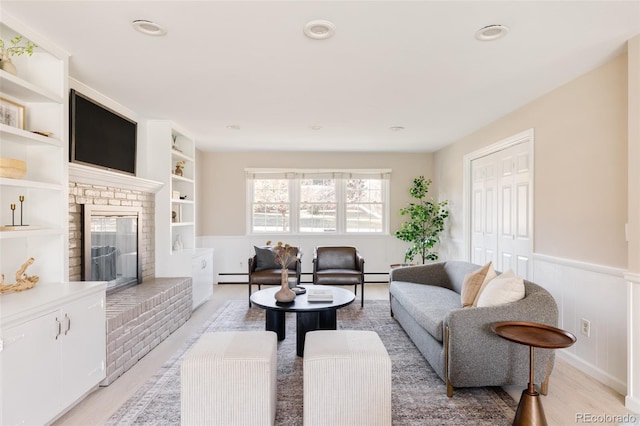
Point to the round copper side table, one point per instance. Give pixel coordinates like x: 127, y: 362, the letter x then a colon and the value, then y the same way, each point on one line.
x: 534, y: 335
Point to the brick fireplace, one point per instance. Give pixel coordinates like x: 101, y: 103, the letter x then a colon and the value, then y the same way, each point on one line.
x: 82, y: 193
x: 137, y: 318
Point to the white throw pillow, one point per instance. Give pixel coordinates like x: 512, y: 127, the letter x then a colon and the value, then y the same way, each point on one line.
x: 503, y: 289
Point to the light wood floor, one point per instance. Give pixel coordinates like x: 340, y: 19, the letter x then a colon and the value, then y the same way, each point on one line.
x: 571, y: 392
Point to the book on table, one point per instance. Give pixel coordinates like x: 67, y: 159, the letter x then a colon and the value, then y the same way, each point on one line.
x: 315, y: 294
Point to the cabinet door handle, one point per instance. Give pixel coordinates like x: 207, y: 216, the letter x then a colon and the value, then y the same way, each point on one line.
x: 204, y: 263
x: 68, y: 321
x: 58, y: 328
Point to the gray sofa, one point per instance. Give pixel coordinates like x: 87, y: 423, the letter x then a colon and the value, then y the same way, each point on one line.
x: 458, y: 342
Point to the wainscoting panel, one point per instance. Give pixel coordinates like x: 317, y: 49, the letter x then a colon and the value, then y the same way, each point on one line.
x: 598, y: 294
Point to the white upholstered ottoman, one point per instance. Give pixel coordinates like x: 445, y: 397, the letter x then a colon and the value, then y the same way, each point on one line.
x: 347, y: 379
x: 229, y: 378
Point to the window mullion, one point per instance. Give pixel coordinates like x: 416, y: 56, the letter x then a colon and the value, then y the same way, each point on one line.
x: 341, y: 205
x: 250, y: 202
x: 385, y: 205
x: 294, y: 200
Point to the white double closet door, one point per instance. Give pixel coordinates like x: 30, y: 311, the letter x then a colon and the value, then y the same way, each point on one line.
x: 502, y: 209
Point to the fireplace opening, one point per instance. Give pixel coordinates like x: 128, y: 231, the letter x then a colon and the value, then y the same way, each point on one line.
x: 110, y: 244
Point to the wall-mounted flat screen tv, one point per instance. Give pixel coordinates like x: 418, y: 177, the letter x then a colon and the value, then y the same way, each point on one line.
x: 101, y: 137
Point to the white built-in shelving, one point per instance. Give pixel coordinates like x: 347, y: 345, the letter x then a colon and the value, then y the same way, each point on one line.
x: 175, y: 215
x: 40, y: 86
x: 52, y: 336
x: 175, y: 201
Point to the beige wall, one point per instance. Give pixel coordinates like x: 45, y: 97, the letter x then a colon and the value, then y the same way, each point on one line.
x: 221, y: 181
x: 580, y: 166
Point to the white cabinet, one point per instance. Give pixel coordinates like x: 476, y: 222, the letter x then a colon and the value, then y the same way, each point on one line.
x: 40, y: 88
x: 30, y: 367
x: 52, y: 349
x: 202, y: 278
x: 83, y: 345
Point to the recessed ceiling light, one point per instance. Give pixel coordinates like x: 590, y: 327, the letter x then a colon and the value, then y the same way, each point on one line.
x: 491, y: 32
x: 319, y: 30
x: 396, y: 128
x: 316, y: 127
x: 148, y: 27
x: 233, y: 127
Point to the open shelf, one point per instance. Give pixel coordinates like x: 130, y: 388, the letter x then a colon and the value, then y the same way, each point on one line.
x: 25, y: 90
x: 26, y: 137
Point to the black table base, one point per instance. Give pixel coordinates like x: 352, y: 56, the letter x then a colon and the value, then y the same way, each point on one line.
x: 305, y: 321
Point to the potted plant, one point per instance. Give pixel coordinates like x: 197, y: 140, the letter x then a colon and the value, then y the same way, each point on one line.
x: 14, y: 48
x: 426, y: 222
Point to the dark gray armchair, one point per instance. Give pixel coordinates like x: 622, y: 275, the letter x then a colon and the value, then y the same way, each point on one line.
x: 263, y: 269
x: 339, y: 265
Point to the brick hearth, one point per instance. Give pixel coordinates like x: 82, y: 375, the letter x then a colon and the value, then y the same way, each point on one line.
x: 140, y: 317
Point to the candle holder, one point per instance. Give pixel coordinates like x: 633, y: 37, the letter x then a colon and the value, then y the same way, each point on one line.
x: 13, y: 215
x: 21, y: 198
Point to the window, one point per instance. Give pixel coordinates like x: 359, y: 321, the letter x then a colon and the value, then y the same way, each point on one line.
x: 364, y: 205
x: 271, y: 205
x: 318, y: 209
x: 303, y: 201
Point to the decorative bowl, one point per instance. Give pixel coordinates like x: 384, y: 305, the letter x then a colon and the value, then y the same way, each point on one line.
x: 12, y: 168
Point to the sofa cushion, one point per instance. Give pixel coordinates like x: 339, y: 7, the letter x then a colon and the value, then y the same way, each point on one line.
x: 471, y: 285
x: 427, y: 304
x: 503, y: 289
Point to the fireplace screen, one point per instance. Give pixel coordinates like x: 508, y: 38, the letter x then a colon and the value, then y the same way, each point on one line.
x: 110, y: 245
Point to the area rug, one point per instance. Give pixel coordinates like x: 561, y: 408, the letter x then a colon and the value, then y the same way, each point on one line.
x: 418, y: 395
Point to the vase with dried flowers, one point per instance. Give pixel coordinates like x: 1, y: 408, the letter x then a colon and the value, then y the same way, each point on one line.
x: 284, y: 255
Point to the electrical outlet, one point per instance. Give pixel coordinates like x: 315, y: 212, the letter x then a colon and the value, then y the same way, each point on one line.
x: 585, y: 327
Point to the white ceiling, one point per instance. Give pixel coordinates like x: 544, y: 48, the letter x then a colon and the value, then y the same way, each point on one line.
x: 414, y: 64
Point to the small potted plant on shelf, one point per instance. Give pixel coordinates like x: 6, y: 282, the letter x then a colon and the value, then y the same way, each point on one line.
x: 14, y: 47
x: 426, y: 222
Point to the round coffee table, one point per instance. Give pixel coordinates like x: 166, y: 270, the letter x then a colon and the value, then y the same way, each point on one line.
x: 534, y: 335
x: 309, y: 315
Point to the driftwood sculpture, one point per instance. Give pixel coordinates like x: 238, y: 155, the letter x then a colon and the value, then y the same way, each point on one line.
x: 23, y: 281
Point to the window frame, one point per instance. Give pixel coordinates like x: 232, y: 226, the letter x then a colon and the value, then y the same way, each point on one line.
x: 341, y: 177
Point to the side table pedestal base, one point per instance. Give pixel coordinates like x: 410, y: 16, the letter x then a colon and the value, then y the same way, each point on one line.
x: 530, y: 411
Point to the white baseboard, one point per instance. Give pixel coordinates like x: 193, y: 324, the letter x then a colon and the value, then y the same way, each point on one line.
x: 593, y: 371
x: 632, y: 404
